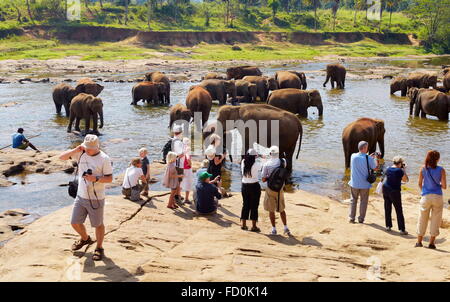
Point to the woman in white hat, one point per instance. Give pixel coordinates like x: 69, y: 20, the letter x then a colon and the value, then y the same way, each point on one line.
x: 251, y: 190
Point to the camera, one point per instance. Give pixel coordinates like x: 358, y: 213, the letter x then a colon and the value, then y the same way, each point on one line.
x: 88, y: 172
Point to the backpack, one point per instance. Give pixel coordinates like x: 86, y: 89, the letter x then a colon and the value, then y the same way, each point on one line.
x: 167, y: 148
x: 278, y: 177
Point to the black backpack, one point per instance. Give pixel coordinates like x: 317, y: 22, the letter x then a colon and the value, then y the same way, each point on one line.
x: 167, y: 148
x: 278, y: 177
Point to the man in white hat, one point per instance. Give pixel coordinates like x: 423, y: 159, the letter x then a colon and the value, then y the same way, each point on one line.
x: 94, y: 170
x: 274, y: 201
x: 178, y: 148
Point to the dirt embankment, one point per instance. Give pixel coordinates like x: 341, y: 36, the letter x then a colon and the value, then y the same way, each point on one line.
x: 190, y: 38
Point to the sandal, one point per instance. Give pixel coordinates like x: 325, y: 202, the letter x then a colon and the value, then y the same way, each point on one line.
x: 172, y: 207
x: 432, y: 246
x: 245, y: 228
x: 98, y: 254
x: 80, y: 243
x: 418, y: 244
x: 255, y: 229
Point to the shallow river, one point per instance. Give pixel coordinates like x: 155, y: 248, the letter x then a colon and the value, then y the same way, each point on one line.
x: 319, y: 169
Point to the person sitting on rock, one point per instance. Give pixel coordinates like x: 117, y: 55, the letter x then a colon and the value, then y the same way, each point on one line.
x: 207, y: 191
x: 131, y: 188
x: 20, y: 142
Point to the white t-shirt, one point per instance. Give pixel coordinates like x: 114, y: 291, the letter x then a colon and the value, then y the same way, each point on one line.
x: 131, y: 177
x: 178, y: 148
x: 100, y: 165
x: 254, y: 173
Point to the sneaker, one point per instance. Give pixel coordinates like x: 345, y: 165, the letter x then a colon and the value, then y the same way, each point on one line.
x: 418, y: 244
x: 287, y: 232
x: 404, y: 233
x: 273, y: 232
x: 388, y: 229
x: 432, y: 246
x: 351, y: 221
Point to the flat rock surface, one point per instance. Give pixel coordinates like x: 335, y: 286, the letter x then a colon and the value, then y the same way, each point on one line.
x: 149, y: 242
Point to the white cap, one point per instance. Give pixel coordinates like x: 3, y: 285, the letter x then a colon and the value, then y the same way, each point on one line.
x: 274, y: 150
x: 177, y: 129
x: 91, y: 142
x: 252, y: 152
x: 210, y: 152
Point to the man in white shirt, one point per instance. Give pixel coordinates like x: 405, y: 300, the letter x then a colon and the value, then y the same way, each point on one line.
x: 274, y: 201
x: 130, y: 185
x: 94, y: 170
x: 178, y: 148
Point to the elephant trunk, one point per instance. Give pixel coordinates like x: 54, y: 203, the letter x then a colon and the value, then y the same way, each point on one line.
x: 381, y: 145
x: 320, y: 108
x: 100, y: 114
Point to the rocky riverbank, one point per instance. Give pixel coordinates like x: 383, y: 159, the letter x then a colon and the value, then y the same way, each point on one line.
x: 149, y: 242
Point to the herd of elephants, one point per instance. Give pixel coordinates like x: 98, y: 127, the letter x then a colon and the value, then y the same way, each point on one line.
x: 287, y: 101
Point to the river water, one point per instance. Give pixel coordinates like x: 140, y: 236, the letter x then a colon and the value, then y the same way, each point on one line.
x: 319, y: 169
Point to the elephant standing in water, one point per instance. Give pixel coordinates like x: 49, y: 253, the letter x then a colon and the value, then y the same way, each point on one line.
x: 159, y: 77
x: 62, y: 96
x: 246, y: 91
x: 363, y: 129
x: 263, y: 86
x: 86, y: 85
x: 220, y: 89
x: 199, y: 100
x: 179, y: 112
x: 446, y: 80
x: 399, y: 84
x: 147, y: 91
x: 296, y: 101
x: 291, y: 79
x: 87, y: 107
x: 213, y: 76
x: 262, y: 112
x: 336, y: 72
x: 239, y: 72
x: 421, y: 80
x: 429, y: 101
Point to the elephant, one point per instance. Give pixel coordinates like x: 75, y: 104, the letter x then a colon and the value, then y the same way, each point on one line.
x: 220, y: 89
x: 199, y: 100
x: 261, y: 112
x: 290, y: 79
x: 336, y: 72
x: 363, y: 129
x: 179, y: 112
x: 263, y: 85
x: 147, y: 91
x: 446, y: 81
x: 247, y: 91
x: 421, y: 80
x: 62, y: 95
x: 159, y: 77
x: 239, y: 72
x: 212, y: 76
x: 86, y: 106
x: 429, y: 101
x: 296, y: 101
x: 399, y: 84
x: 86, y: 85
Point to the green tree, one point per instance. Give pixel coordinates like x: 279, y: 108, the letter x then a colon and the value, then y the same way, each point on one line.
x: 334, y: 9
x: 274, y: 5
x: 433, y: 15
x: 315, y: 4
x: 358, y: 5
x: 391, y: 4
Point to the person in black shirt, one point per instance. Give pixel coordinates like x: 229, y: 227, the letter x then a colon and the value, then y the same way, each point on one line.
x: 145, y: 169
x: 206, y: 191
x: 393, y: 178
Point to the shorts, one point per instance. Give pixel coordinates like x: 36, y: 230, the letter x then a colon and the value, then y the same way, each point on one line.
x: 82, y: 208
x: 271, y: 202
x: 23, y: 146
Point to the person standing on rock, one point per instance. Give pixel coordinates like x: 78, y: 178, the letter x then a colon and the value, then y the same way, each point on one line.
x: 432, y: 180
x: 145, y: 164
x: 179, y: 150
x: 360, y: 163
x: 94, y: 171
x: 251, y: 190
x: 20, y: 142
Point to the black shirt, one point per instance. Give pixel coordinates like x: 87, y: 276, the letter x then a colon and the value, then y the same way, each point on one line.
x: 145, y: 163
x: 214, y: 169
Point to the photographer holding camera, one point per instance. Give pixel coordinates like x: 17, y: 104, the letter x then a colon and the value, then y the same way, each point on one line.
x: 393, y: 178
x: 94, y: 170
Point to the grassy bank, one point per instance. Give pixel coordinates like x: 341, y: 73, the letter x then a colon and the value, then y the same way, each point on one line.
x: 21, y: 47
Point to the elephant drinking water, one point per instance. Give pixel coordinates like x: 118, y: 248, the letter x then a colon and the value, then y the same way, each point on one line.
x: 296, y: 101
x: 87, y: 107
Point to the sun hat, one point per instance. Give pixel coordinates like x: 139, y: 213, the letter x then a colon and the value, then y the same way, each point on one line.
x: 361, y: 144
x: 204, y: 175
x: 177, y: 129
x: 252, y: 152
x: 210, y: 152
x: 91, y: 142
x: 274, y: 150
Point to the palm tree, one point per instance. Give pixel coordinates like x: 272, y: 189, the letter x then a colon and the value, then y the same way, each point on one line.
x: 359, y: 4
x: 391, y: 4
x: 316, y: 4
x: 126, y: 11
x: 29, y: 11
x: 274, y: 5
x: 381, y: 14
x: 334, y: 10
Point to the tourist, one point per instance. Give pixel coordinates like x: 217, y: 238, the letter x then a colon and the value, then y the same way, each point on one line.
x: 20, y: 142
x: 145, y: 163
x: 432, y: 180
x: 274, y: 201
x: 131, y: 188
x: 171, y: 179
x: 360, y: 163
x: 251, y: 190
x: 94, y: 170
x: 393, y: 178
x: 188, y: 179
x: 178, y: 148
x: 207, y: 192
x: 203, y: 168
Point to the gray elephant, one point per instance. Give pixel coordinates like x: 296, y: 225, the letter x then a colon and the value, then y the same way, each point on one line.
x: 336, y: 73
x: 159, y: 77
x: 86, y: 85
x: 296, y: 101
x: 220, y: 89
x: 213, y: 76
x: 399, y: 84
x: 179, y: 112
x: 62, y: 96
x: 87, y: 107
x: 291, y: 79
x: 148, y: 91
x: 263, y: 85
x: 239, y: 72
x: 245, y: 91
x: 429, y: 101
x: 421, y: 80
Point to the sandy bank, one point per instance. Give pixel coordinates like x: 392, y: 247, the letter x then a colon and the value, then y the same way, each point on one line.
x: 149, y: 242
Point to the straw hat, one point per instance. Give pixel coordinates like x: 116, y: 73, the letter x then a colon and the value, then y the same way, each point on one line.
x: 91, y: 142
